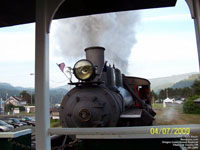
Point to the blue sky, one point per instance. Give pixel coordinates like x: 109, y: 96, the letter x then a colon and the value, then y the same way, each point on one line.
x: 166, y: 45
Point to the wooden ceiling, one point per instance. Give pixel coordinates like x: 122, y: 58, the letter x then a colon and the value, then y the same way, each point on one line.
x: 14, y: 12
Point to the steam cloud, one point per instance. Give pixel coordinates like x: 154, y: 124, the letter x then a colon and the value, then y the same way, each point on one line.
x: 114, y: 31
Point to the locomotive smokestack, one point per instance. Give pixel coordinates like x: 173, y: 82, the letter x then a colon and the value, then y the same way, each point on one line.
x: 96, y: 56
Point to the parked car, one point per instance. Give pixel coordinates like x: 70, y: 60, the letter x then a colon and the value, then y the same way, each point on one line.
x: 15, y: 122
x: 4, y: 127
x: 28, y: 120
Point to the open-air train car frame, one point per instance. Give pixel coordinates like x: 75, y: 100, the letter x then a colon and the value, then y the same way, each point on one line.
x: 42, y: 12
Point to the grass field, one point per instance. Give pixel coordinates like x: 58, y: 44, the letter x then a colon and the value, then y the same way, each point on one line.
x: 54, y: 123
x: 173, y: 115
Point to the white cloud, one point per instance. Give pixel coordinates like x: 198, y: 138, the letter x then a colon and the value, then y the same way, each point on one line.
x: 163, y: 54
x: 164, y: 47
x: 17, y: 47
x: 176, y: 17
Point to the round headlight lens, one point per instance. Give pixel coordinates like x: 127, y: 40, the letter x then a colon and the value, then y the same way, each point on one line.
x: 83, y: 70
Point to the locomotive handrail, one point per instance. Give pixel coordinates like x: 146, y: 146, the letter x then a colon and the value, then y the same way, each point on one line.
x: 125, y: 132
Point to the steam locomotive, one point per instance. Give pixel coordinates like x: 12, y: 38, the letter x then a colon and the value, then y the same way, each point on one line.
x: 104, y: 97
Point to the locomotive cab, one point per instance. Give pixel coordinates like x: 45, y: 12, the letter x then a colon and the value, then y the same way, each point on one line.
x: 141, y: 87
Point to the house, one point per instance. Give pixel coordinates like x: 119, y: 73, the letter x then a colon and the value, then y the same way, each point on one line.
x: 197, y: 102
x: 168, y: 100
x: 29, y: 109
x: 16, y: 101
x: 12, y: 100
x: 21, y: 101
x: 54, y: 112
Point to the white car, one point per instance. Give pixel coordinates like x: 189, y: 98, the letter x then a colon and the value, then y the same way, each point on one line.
x: 178, y: 102
x: 4, y: 127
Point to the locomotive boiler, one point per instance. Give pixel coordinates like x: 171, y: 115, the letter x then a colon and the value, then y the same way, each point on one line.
x: 104, y: 97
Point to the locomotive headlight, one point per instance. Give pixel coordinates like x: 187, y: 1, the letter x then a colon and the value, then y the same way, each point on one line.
x: 84, y: 70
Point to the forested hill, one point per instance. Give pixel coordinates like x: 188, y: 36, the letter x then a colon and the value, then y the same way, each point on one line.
x: 176, y: 81
x: 7, y: 90
x: 186, y: 82
x: 56, y: 94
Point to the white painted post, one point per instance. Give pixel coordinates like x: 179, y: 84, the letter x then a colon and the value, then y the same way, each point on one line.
x: 194, y: 6
x: 42, y: 77
x: 45, y: 10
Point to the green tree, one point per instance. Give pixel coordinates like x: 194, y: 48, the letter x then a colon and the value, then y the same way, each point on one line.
x: 162, y: 94
x: 196, y: 87
x: 186, y: 92
x: 171, y: 92
x: 154, y: 95
x: 27, y: 97
x: 177, y: 93
x: 189, y: 106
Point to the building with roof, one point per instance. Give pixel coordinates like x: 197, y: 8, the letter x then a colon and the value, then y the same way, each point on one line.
x: 197, y: 102
x: 167, y: 100
x: 16, y: 101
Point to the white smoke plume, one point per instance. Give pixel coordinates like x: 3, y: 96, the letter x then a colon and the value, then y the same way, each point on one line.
x: 114, y: 31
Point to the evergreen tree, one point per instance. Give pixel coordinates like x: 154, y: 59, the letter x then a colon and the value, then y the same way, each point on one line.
x: 27, y: 97
x: 154, y: 96
x: 186, y: 92
x: 196, y: 87
x: 162, y: 94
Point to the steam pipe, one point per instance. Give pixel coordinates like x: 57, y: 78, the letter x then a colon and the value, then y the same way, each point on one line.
x: 96, y: 56
x: 118, y: 78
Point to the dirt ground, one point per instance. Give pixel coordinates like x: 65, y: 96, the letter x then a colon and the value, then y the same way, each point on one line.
x: 173, y: 115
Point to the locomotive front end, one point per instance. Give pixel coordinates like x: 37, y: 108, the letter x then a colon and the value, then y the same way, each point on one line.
x: 90, y: 104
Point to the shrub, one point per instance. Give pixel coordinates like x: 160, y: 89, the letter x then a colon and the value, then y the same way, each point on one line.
x: 8, y: 107
x: 189, y: 106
